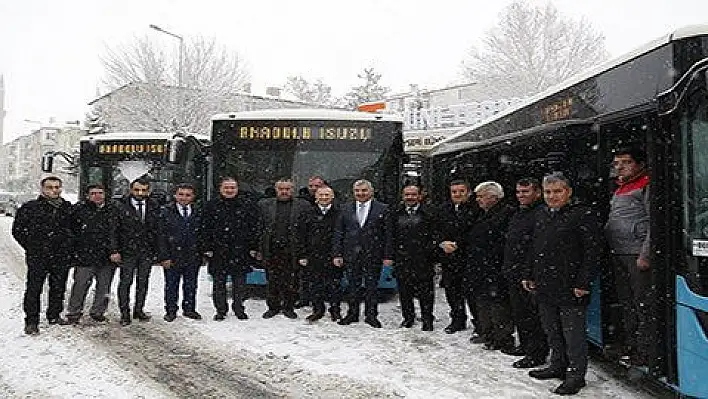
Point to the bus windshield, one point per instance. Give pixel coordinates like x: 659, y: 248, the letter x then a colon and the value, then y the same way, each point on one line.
x: 118, y: 175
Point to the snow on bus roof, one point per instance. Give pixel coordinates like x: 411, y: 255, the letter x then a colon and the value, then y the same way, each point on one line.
x: 441, y: 147
x: 307, y: 114
x: 146, y: 135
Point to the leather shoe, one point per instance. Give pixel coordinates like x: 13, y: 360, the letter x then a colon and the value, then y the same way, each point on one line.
x: 125, y: 319
x: 314, y: 317
x: 170, y: 317
x: 142, y: 316
x: 219, y: 316
x: 192, y: 314
x: 477, y: 339
x: 547, y: 373
x: 454, y: 327
x: 268, y: 314
x: 74, y: 319
x: 348, y: 319
x: 427, y: 325
x: 301, y: 304
x: 290, y: 314
x: 241, y: 315
x: 570, y: 387
x: 373, y: 322
x: 407, y: 323
x: 335, y: 314
x: 59, y: 320
x: 31, y: 329
x: 514, y: 351
x: 96, y: 317
x: 528, y: 362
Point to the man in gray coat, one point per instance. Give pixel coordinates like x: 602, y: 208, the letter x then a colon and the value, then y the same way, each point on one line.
x: 627, y: 232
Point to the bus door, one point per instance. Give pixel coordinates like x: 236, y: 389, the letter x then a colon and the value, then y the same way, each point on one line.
x: 685, y: 109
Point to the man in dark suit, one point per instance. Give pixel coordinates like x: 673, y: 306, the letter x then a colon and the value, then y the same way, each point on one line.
x: 229, y: 237
x: 179, y: 256
x: 316, y: 232
x: 363, y: 241
x: 416, y: 244
x: 278, y: 241
x: 455, y: 220
x: 138, y: 216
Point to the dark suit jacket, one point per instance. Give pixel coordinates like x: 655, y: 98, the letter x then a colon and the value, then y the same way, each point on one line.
x: 268, y: 208
x: 368, y: 245
x: 315, y: 237
x: 177, y: 237
x: 136, y: 237
x: 416, y: 242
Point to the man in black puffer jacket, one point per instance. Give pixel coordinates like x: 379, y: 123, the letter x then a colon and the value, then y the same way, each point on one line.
x: 565, y: 254
x: 42, y: 228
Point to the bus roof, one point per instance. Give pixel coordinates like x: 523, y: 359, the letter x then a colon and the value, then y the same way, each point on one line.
x: 307, y: 114
x: 135, y: 136
x: 444, y: 146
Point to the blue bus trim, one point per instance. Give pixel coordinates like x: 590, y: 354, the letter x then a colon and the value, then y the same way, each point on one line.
x: 691, y: 342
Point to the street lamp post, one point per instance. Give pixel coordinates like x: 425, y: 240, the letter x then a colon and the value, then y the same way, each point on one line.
x: 181, y: 46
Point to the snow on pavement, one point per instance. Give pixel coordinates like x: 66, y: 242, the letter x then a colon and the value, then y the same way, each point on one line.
x: 320, y: 360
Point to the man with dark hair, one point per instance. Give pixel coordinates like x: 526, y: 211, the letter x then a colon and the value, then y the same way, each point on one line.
x: 524, y: 310
x: 42, y: 227
x: 278, y: 241
x: 363, y: 241
x: 627, y: 232
x: 179, y: 255
x: 416, y: 245
x: 565, y: 253
x: 94, y: 223
x: 138, y: 248
x: 229, y: 238
x: 455, y: 219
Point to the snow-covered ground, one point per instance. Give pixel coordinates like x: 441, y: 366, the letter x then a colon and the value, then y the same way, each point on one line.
x: 254, y: 358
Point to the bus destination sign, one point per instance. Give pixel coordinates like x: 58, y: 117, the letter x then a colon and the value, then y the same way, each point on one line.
x: 305, y: 133
x: 131, y: 148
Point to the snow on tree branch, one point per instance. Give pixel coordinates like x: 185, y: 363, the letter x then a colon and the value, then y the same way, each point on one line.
x: 532, y: 48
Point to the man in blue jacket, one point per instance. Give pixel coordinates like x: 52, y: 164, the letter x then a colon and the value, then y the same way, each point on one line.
x: 178, y: 229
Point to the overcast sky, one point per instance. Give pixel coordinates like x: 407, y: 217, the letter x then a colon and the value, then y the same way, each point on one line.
x: 49, y: 50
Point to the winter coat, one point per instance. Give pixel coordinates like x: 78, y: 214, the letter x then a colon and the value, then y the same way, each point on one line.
x: 315, y: 237
x: 518, y: 241
x: 566, y: 253
x: 268, y: 208
x: 230, y: 230
x: 177, y: 235
x: 485, y: 251
x: 44, y: 230
x: 137, y: 238
x: 416, y: 242
x: 627, y: 228
x: 453, y: 226
x: 96, y: 231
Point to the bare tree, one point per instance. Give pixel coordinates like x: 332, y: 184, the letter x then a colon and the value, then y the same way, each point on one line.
x: 532, y: 48
x: 370, y: 90
x: 317, y: 92
x: 145, y: 91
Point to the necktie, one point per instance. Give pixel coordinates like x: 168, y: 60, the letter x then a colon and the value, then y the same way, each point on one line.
x: 140, y: 210
x: 324, y: 210
x: 411, y: 211
x: 185, y: 211
x: 360, y: 214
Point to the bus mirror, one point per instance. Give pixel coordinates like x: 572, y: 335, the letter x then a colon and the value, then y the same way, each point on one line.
x: 47, y: 162
x: 175, y: 149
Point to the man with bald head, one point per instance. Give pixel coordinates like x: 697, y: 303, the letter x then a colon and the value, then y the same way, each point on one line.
x: 316, y: 231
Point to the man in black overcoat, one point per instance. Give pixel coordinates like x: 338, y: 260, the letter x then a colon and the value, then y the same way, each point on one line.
x: 416, y: 245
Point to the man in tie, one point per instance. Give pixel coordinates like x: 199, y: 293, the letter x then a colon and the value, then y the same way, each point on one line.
x: 179, y: 255
x: 416, y: 244
x: 137, y: 248
x: 363, y: 242
x: 316, y: 231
